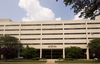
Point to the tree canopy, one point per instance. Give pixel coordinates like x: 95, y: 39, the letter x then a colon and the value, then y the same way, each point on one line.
x: 9, y: 41
x: 94, y: 45
x: 8, y: 53
x: 74, y: 51
x: 29, y: 52
x: 89, y: 8
x: 9, y: 46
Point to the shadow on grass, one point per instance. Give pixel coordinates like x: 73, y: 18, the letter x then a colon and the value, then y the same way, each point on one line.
x: 36, y: 61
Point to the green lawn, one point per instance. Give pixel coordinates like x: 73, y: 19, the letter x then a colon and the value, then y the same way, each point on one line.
x: 78, y: 61
x: 31, y: 61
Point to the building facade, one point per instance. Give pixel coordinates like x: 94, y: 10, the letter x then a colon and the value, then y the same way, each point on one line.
x: 51, y: 38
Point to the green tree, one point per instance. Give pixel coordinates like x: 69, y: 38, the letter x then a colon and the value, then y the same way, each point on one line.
x: 74, y: 51
x: 90, y: 8
x: 29, y: 52
x: 94, y: 46
x: 8, y: 52
x: 9, y: 43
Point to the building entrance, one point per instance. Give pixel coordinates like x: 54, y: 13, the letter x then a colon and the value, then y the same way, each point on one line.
x: 52, y: 53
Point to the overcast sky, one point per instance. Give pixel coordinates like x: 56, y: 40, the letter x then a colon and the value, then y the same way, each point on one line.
x: 35, y: 10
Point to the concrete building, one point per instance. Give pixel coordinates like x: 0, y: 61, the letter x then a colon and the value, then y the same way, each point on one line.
x: 51, y: 38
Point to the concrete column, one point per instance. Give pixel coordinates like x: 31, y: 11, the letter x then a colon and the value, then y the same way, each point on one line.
x: 63, y: 52
x: 87, y: 53
x: 1, y: 56
x: 40, y: 53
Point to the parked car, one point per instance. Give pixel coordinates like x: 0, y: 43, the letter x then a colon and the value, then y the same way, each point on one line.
x: 19, y: 58
x: 95, y: 58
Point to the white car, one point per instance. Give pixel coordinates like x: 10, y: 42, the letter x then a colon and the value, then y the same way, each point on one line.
x: 95, y: 58
x: 19, y: 58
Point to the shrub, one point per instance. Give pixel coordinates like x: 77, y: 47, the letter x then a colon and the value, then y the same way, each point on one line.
x: 44, y: 58
x: 60, y: 58
x: 69, y: 59
x: 33, y: 58
x: 37, y: 58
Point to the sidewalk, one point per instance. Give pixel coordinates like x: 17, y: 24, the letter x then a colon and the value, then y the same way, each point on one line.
x: 51, y: 61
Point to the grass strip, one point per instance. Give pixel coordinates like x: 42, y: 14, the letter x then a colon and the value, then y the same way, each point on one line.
x: 78, y: 61
x: 34, y: 61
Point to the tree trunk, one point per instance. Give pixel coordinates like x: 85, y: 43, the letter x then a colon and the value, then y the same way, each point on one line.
x: 6, y: 59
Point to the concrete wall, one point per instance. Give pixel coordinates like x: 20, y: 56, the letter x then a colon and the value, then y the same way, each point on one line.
x: 59, y: 33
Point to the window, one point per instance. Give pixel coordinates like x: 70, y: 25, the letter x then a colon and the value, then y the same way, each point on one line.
x: 52, y: 38
x: 1, y: 30
x: 74, y: 24
x: 1, y: 34
x: 94, y: 33
x: 31, y: 34
x: 73, y: 28
x: 12, y: 34
x: 31, y: 25
x: 95, y: 28
x: 93, y: 23
x: 93, y: 38
x: 74, y: 43
x: 73, y: 33
x: 52, y: 34
x: 1, y: 25
x: 52, y: 43
x: 26, y: 29
x: 29, y: 29
x: 73, y: 38
x: 11, y: 29
x: 54, y: 29
x: 12, y: 25
x: 51, y: 24
x: 30, y: 39
x: 31, y: 43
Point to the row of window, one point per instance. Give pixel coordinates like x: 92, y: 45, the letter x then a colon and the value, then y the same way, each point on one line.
x: 31, y: 43
x: 51, y: 38
x: 48, y: 29
x: 49, y: 24
x: 42, y: 39
x: 54, y: 38
x: 53, y: 34
x: 52, y: 43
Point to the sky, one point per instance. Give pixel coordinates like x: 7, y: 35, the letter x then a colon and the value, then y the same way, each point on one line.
x: 36, y: 10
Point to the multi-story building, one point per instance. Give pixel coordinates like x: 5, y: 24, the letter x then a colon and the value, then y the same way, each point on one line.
x: 51, y: 38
